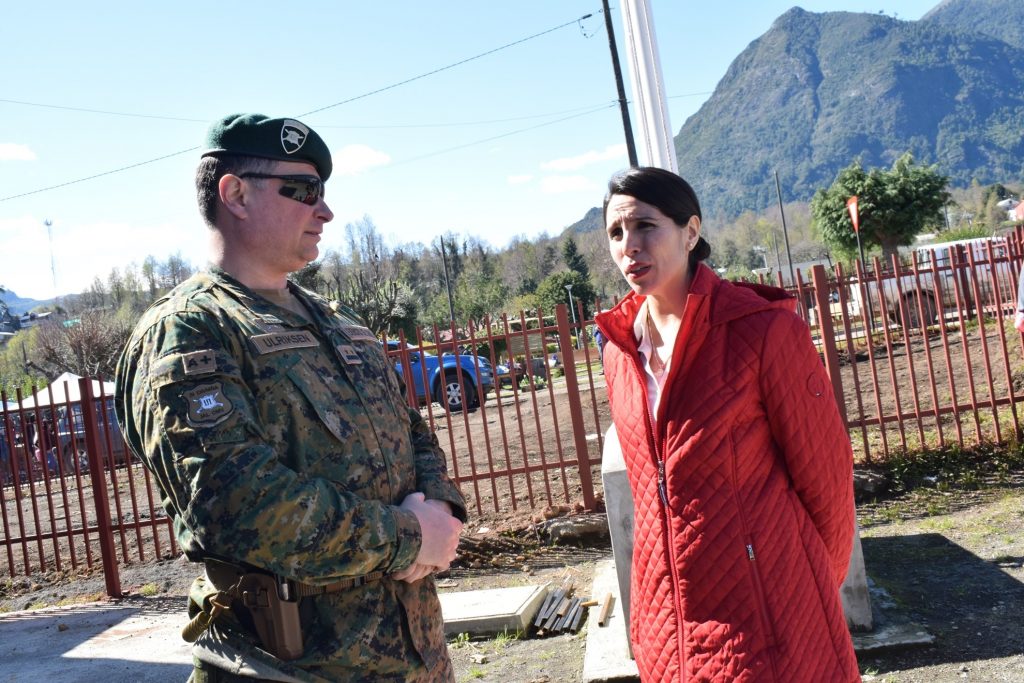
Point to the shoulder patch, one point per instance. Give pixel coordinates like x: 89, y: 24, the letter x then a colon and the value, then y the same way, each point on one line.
x: 199, y: 362
x: 207, y: 405
x: 282, y: 341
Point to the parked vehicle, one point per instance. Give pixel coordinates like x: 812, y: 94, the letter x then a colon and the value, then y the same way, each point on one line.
x: 442, y: 383
x: 507, y: 374
x: 923, y: 299
x: 72, y: 440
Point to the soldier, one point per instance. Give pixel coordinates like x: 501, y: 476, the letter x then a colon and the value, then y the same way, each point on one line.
x: 318, y: 502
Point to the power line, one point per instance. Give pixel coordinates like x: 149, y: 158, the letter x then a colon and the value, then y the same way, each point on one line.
x: 99, y: 175
x: 101, y: 111
x: 446, y: 68
x: 309, y: 113
x: 462, y: 124
x: 503, y: 135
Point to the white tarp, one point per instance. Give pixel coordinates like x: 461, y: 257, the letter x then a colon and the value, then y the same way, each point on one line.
x: 60, y: 397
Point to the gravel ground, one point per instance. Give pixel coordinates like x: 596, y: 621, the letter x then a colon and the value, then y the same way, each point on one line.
x: 950, y: 561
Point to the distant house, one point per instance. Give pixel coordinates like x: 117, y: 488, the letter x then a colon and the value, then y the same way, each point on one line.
x: 32, y: 319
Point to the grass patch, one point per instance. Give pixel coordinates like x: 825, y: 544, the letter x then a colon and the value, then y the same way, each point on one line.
x: 504, y: 639
x: 149, y: 590
x: 952, y: 467
x: 460, y: 640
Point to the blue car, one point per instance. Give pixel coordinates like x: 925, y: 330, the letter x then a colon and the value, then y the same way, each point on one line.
x: 442, y: 376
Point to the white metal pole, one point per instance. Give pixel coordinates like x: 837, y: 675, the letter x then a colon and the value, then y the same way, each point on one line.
x: 655, y: 145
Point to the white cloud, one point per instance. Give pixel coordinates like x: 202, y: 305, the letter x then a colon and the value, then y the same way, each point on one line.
x: 611, y: 152
x: 12, y: 152
x: 558, y: 184
x: 519, y: 179
x: 353, y: 159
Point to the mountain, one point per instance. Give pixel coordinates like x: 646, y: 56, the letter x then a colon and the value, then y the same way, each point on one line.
x: 18, y: 305
x: 591, y: 221
x: 817, y: 91
x: 996, y: 18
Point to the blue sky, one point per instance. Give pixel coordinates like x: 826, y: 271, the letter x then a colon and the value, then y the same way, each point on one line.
x: 517, y: 142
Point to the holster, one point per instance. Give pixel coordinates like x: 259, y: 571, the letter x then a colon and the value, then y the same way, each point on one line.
x: 275, y: 618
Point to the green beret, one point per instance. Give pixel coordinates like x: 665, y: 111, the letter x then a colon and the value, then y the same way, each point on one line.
x: 256, y: 135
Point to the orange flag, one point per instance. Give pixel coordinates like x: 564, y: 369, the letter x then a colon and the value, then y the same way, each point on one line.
x: 851, y: 205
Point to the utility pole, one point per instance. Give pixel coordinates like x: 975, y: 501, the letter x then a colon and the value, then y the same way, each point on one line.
x: 621, y: 89
x: 785, y: 232
x: 53, y: 266
x: 572, y: 307
x: 447, y: 281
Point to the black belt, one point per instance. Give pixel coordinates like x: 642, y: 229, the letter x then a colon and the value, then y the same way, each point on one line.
x: 223, y: 575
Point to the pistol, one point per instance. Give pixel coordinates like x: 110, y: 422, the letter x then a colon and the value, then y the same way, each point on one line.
x: 275, y: 614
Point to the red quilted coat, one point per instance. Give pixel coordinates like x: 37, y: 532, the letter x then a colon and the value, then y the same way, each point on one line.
x: 743, y: 494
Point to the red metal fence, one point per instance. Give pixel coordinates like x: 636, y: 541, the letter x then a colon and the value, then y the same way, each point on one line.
x: 921, y: 354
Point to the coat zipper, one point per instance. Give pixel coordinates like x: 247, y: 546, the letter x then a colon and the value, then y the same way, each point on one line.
x: 657, y: 450
x: 755, y: 575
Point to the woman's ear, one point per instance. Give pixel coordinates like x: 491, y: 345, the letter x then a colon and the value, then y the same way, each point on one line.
x: 233, y: 196
x: 692, y: 232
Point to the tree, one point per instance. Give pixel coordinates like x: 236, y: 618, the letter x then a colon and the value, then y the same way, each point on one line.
x: 175, y: 270
x: 87, y: 346
x: 149, y: 273
x: 573, y: 259
x: 308, y: 277
x: 894, y: 205
x: 552, y: 292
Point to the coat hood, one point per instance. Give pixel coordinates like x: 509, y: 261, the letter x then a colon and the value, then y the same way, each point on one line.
x: 705, y: 287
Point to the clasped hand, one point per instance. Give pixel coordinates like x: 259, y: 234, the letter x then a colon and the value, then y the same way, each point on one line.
x: 439, y: 531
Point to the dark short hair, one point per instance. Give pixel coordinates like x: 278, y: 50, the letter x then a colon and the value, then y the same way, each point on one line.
x: 209, y: 172
x: 665, y: 191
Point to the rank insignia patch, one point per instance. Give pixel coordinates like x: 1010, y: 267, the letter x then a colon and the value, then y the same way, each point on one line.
x: 349, y: 355
x: 207, y: 405
x: 199, y: 362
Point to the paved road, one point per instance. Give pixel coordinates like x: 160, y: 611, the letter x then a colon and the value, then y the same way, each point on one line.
x: 134, y: 640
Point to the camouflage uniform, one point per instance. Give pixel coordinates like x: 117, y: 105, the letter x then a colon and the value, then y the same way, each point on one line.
x: 286, y: 445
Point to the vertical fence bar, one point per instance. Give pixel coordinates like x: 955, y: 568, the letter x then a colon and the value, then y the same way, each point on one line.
x: 828, y: 336
x: 575, y: 409
x: 500, y: 407
x: 851, y: 351
x: 1003, y: 305
x: 976, y: 288
x: 8, y: 444
x: 959, y: 274
x: 482, y: 400
x: 869, y: 327
x: 108, y: 552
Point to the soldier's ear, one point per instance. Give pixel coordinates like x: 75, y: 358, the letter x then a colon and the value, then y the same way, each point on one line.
x: 233, y: 195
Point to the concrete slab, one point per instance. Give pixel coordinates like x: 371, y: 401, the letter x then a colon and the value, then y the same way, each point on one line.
x: 485, y: 612
x: 607, y: 656
x: 892, y: 629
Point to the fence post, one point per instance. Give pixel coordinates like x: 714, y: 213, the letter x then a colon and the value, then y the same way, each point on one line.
x: 572, y: 387
x: 828, y: 335
x: 99, y: 490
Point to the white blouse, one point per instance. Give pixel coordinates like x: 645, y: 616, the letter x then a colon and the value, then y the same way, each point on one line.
x: 655, y: 380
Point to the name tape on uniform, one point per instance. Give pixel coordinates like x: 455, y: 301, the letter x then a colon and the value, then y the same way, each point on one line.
x: 282, y: 341
x: 358, y: 333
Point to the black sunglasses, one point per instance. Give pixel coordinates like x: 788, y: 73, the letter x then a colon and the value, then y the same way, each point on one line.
x: 307, y: 189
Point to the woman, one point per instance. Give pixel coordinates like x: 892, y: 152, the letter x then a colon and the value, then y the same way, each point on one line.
x: 739, y: 462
